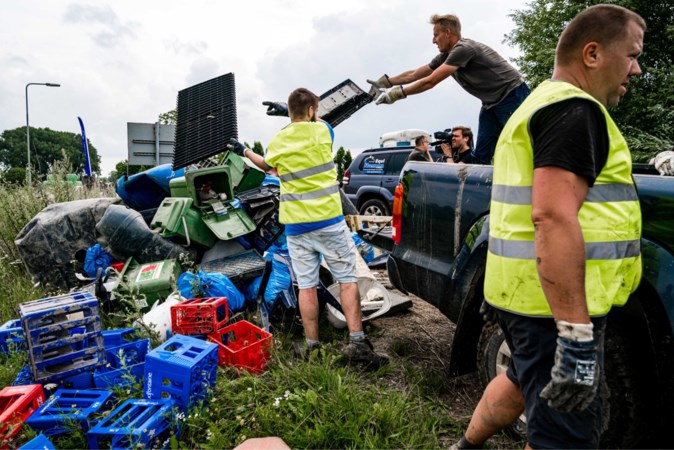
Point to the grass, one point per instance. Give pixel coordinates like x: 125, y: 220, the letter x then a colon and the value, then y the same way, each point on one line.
x: 318, y: 404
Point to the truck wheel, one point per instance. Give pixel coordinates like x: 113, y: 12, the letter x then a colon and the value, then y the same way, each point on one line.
x: 623, y: 415
x: 374, y: 207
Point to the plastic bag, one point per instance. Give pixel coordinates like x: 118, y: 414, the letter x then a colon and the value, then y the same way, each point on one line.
x: 279, y: 280
x: 210, y: 284
x: 96, y: 258
x: 365, y: 249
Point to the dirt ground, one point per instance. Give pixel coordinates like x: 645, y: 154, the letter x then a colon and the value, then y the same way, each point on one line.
x: 423, y: 336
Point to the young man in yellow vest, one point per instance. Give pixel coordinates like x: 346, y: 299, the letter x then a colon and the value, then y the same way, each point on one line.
x: 564, y: 237
x: 311, y: 210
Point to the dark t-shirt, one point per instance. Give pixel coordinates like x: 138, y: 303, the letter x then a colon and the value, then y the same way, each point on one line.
x: 571, y: 134
x: 418, y: 155
x: 465, y: 157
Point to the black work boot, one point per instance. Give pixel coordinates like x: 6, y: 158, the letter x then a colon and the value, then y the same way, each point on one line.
x: 362, y: 352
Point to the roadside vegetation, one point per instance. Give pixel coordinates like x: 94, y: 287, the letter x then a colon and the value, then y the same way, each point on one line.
x: 322, y: 403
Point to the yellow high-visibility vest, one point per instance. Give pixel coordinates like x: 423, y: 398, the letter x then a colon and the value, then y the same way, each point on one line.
x: 302, y: 154
x: 610, y: 218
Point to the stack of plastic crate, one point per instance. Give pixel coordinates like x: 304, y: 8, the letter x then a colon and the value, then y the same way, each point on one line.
x: 183, y: 368
x: 134, y: 424
x: 199, y: 316
x: 67, y: 407
x: 54, y: 352
x: 243, y: 345
x: 125, y: 355
x: 17, y: 403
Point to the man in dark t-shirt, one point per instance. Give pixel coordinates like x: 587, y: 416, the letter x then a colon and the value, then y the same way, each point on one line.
x: 476, y: 67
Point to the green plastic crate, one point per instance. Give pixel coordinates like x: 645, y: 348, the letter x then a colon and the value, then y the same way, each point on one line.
x: 176, y: 217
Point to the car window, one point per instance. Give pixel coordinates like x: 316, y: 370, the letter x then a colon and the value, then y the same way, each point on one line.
x: 396, y: 163
x: 373, y: 164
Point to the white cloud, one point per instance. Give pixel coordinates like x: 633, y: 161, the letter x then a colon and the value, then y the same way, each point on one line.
x: 125, y: 61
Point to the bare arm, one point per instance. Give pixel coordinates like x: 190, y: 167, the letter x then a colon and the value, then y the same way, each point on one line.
x: 557, y: 196
x: 411, y: 75
x: 429, y: 81
x: 256, y: 159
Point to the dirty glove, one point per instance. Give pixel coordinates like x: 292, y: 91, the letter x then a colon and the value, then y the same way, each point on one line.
x: 664, y: 162
x: 392, y: 95
x: 575, y: 374
x: 377, y: 86
x: 487, y: 312
x: 236, y: 147
x: 276, y: 108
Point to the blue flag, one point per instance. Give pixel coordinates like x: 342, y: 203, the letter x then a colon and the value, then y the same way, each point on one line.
x: 85, y: 149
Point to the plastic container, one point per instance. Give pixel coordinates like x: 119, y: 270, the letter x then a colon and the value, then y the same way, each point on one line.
x: 17, y: 403
x: 134, y: 424
x: 149, y: 282
x: 176, y: 217
x: 183, y: 369
x: 243, y: 345
x: 63, y: 335
x: 40, y: 441
x: 68, y: 406
x: 199, y: 315
x: 11, y: 336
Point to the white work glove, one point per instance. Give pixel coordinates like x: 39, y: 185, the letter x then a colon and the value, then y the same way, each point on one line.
x: 391, y: 95
x: 664, y: 162
x: 381, y: 83
x: 575, y: 374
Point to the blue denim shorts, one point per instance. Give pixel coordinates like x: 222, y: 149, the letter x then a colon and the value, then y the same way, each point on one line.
x: 337, y: 247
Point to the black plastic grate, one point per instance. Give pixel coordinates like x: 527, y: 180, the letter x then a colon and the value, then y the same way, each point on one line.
x: 206, y: 120
x: 237, y: 268
x: 337, y: 104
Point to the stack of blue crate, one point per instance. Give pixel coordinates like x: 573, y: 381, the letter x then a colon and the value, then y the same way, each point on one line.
x: 183, y: 368
x: 68, y: 407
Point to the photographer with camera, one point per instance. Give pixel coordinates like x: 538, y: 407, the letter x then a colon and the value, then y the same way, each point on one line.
x: 455, y: 147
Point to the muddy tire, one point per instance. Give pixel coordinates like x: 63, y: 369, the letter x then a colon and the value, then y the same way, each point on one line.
x: 374, y: 207
x: 624, y: 413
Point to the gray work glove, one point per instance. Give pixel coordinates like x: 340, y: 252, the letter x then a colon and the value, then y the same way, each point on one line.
x: 276, y: 108
x: 664, y: 162
x: 575, y: 376
x: 236, y: 147
x: 391, y: 95
x: 377, y: 86
x: 487, y: 312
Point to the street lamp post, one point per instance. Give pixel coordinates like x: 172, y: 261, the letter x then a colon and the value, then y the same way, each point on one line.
x: 28, y: 126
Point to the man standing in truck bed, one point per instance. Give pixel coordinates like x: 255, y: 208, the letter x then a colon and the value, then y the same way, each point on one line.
x: 564, y: 237
x: 476, y: 67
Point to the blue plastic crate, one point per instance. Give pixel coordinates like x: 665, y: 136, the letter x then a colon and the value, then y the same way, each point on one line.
x: 135, y: 423
x: 119, y: 336
x: 67, y: 407
x: 127, y: 354
x: 39, y: 442
x: 83, y: 380
x: 63, y: 335
x: 182, y: 368
x: 107, y: 378
x: 11, y: 336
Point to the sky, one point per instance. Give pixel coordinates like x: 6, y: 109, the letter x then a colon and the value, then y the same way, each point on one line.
x: 125, y: 61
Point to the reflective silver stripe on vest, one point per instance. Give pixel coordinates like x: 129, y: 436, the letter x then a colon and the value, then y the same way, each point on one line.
x: 599, y: 193
x: 307, y: 172
x: 311, y: 195
x: 593, y: 250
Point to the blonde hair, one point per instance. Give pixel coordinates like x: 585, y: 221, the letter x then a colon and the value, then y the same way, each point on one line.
x: 447, y: 21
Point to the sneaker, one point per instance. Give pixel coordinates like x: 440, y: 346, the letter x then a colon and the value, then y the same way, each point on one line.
x: 362, y: 352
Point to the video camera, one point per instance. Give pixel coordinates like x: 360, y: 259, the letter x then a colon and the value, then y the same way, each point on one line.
x: 442, y: 137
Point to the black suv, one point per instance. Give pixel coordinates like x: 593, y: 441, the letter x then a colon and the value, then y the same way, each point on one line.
x: 371, y: 179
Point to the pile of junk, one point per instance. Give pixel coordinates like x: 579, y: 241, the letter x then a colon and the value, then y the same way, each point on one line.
x: 204, y: 226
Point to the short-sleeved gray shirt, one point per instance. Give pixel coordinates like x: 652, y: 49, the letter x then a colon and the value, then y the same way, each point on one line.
x: 481, y: 71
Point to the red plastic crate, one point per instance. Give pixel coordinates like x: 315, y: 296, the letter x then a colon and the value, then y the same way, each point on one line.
x: 243, y: 345
x: 199, y: 315
x: 17, y: 403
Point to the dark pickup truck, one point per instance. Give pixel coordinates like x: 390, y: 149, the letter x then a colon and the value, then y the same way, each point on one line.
x: 438, y: 253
